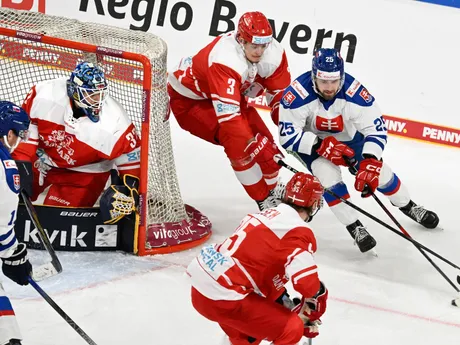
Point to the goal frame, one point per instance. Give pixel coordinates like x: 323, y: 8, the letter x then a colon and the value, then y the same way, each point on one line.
x: 141, y: 226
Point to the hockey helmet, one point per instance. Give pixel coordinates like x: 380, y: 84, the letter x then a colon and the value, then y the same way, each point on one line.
x: 304, y: 190
x: 87, y: 86
x: 16, y: 119
x: 254, y: 28
x: 328, y: 64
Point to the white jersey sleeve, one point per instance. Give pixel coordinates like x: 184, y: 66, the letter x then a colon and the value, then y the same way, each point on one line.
x: 9, y: 189
x: 369, y: 122
x: 294, y: 116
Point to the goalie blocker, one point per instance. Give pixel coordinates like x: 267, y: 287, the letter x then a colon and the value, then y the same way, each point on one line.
x: 111, y: 227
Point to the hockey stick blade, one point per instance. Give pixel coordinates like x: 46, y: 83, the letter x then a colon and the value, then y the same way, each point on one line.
x: 44, y: 271
x: 61, y: 312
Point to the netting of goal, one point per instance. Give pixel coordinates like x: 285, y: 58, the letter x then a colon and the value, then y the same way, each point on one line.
x: 35, y: 47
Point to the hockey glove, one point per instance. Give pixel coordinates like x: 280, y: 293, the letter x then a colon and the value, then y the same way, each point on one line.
x: 367, y: 178
x: 17, y: 267
x: 120, y: 199
x: 311, y: 309
x: 334, y: 150
x: 311, y: 329
x: 265, y: 153
x: 132, y: 183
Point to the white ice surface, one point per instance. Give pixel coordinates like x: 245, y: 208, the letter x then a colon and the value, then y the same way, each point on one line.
x: 397, y: 298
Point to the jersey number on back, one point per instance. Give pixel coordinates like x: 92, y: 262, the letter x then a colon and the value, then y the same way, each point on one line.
x: 231, y: 244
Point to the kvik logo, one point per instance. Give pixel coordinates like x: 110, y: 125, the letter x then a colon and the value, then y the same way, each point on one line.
x: 59, y: 235
x: 28, y: 5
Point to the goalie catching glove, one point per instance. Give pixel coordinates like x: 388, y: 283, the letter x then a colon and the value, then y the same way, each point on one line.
x: 120, y: 199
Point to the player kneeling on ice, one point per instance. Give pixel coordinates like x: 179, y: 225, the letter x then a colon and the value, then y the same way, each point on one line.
x: 14, y: 126
x: 328, y: 119
x: 240, y: 282
x: 78, y: 133
x: 207, y: 96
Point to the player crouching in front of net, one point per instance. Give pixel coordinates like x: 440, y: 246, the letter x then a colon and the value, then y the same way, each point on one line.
x: 14, y: 126
x: 326, y: 118
x: 207, y: 96
x: 78, y: 133
x: 240, y: 282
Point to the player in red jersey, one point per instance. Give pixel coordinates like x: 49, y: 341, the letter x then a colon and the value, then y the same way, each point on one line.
x: 240, y: 282
x: 207, y: 95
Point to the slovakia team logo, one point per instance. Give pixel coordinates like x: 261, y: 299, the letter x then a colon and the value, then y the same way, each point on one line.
x: 334, y: 125
x: 366, y: 95
x: 288, y: 98
x: 16, y: 182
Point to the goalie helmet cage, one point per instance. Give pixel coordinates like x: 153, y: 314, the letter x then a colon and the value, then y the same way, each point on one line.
x: 35, y: 47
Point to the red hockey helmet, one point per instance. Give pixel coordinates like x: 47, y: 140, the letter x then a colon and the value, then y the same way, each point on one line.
x: 304, y: 190
x: 254, y: 28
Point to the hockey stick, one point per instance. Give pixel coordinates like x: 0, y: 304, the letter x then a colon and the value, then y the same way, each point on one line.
x: 61, y: 312
x: 48, y: 269
x: 389, y: 214
x: 375, y: 219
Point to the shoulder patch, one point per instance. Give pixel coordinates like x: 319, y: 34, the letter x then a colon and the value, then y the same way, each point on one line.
x: 11, y: 171
x: 303, y: 93
x: 16, y: 182
x: 10, y: 164
x: 353, y: 88
x: 288, y: 98
x: 366, y: 96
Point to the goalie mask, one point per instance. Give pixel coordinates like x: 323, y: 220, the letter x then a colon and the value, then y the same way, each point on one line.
x: 87, y: 87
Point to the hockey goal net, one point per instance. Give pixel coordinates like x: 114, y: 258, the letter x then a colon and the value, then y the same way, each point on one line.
x: 35, y: 47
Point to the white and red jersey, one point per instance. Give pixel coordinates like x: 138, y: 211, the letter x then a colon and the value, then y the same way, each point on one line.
x: 220, y: 72
x: 63, y: 141
x: 267, y: 250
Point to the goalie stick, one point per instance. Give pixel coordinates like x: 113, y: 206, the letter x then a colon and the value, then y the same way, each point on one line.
x: 48, y: 269
x: 61, y: 312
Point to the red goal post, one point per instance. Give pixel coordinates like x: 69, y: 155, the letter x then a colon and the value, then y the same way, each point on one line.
x: 36, y: 47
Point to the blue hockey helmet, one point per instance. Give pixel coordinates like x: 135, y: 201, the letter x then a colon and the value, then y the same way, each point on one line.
x: 327, y: 64
x: 87, y: 86
x: 16, y: 119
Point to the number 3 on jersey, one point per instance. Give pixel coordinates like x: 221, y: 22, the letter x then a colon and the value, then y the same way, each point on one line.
x: 231, y: 86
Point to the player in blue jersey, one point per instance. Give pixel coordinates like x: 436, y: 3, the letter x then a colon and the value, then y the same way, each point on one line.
x: 14, y: 126
x: 327, y: 119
